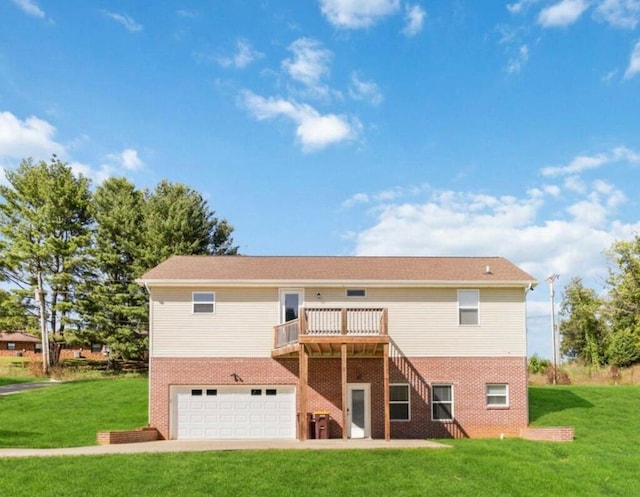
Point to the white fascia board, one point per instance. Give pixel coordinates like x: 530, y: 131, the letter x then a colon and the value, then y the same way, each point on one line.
x: 339, y: 283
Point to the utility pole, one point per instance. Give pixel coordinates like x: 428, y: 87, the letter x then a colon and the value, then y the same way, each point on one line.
x: 43, y: 326
x: 551, y: 279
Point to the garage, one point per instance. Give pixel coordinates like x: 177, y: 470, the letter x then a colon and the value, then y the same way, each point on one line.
x: 233, y: 413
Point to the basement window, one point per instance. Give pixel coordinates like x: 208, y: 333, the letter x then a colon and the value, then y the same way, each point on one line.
x: 497, y: 395
x: 399, y: 402
x: 356, y: 292
x: 442, y: 402
x: 204, y: 302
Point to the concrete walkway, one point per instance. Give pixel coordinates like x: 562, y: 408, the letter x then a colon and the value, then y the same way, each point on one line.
x: 204, y: 446
x: 23, y: 387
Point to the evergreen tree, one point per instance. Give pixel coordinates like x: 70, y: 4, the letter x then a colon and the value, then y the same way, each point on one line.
x: 114, y: 307
x: 45, y: 233
x: 178, y: 221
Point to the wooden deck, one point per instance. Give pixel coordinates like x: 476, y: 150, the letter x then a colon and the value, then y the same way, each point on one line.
x: 335, y: 332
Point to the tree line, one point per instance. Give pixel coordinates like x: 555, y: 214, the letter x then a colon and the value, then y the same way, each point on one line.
x: 604, y: 329
x: 84, y: 247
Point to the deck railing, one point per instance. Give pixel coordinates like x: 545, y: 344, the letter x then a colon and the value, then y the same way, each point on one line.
x: 332, y: 321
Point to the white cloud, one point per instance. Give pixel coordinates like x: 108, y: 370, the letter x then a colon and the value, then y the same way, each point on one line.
x: 414, y: 19
x: 548, y: 228
x: 583, y: 163
x: 127, y: 159
x: 634, y: 62
x: 355, y: 199
x: 619, y: 13
x: 517, y: 62
x: 309, y: 64
x: 520, y: 6
x: 129, y: 23
x: 32, y: 137
x: 189, y: 14
x: 243, y: 56
x: 314, y: 131
x: 365, y: 90
x: 563, y: 13
x: 355, y: 14
x: 30, y: 7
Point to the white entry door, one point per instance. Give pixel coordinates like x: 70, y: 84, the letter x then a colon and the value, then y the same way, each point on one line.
x: 359, y: 410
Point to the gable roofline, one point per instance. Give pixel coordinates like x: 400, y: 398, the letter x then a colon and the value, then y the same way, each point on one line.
x: 336, y: 271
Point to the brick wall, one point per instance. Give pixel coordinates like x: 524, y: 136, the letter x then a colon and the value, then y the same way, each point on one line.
x: 468, y: 376
x: 548, y: 433
x: 127, y: 436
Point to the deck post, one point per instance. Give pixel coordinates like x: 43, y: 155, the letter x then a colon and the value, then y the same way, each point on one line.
x: 385, y: 382
x: 345, y: 407
x: 304, y: 380
x: 343, y: 321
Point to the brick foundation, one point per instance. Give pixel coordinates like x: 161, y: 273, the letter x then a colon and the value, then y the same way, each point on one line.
x: 548, y: 434
x: 468, y: 376
x: 127, y: 436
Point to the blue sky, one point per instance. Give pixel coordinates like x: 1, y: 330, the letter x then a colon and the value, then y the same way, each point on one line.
x: 350, y: 127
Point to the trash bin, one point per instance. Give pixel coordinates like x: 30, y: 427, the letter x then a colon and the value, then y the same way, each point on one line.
x: 322, y: 424
x: 311, y: 427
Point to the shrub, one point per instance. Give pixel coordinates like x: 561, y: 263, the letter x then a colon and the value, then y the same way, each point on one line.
x: 562, y: 377
x: 538, y: 365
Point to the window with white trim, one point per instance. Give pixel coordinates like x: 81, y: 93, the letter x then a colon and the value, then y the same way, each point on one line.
x: 11, y: 346
x: 442, y: 402
x: 497, y: 395
x: 204, y: 302
x: 468, y: 306
x: 399, y: 402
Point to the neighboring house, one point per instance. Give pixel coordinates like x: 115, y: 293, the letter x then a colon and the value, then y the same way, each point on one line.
x: 18, y: 342
x: 389, y: 347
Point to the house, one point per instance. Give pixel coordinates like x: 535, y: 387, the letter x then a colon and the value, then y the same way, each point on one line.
x: 12, y: 343
x: 382, y: 347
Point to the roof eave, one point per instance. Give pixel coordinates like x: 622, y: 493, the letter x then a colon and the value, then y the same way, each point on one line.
x: 150, y: 283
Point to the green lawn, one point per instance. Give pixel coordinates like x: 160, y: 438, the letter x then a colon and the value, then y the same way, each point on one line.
x: 70, y: 414
x: 603, y: 460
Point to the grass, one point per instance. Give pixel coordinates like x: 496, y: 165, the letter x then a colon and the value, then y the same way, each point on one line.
x: 603, y: 460
x: 70, y: 414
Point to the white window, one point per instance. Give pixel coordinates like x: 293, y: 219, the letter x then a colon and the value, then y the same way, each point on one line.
x: 204, y: 302
x: 497, y: 395
x: 399, y: 402
x: 11, y: 346
x: 356, y: 292
x: 468, y: 303
x: 442, y: 402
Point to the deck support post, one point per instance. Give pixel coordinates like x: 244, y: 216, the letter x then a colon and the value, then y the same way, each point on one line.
x: 385, y: 383
x: 304, y: 380
x: 345, y: 407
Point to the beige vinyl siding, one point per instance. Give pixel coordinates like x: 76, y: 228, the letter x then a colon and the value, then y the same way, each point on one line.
x: 242, y: 325
x: 422, y: 321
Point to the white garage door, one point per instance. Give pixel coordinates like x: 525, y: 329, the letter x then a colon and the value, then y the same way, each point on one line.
x: 216, y: 413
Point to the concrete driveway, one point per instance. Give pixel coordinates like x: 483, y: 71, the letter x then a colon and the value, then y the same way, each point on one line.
x: 205, y: 446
